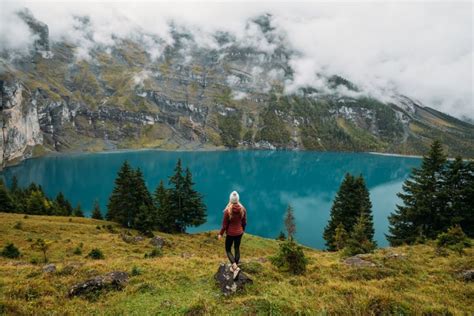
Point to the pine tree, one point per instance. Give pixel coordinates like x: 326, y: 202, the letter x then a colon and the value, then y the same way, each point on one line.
x: 421, y: 215
x: 36, y: 202
x: 194, y: 209
x: 340, y: 237
x: 358, y: 241
x: 365, y: 206
x: 78, y: 211
x: 351, y: 201
x: 145, y: 216
x: 290, y: 223
x: 6, y: 202
x: 96, y: 214
x: 165, y: 218
x: 63, y: 205
x: 458, y: 196
x: 176, y: 198
x: 120, y: 207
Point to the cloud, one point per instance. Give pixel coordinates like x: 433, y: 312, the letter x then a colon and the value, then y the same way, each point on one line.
x: 420, y: 49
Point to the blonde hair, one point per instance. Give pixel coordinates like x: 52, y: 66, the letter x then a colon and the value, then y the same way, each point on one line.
x: 228, y: 209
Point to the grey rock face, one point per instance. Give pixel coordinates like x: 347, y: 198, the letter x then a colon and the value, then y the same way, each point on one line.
x: 225, y: 281
x: 114, y: 280
x: 467, y: 275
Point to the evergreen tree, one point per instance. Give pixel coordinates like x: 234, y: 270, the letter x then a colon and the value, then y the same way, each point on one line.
x: 63, y: 206
x: 6, y: 202
x: 359, y: 242
x: 78, y: 211
x: 37, y: 203
x: 145, y: 216
x: 423, y: 210
x: 194, y: 209
x: 351, y: 201
x: 121, y: 205
x: 458, y: 196
x: 96, y: 214
x: 290, y: 223
x: 176, y: 198
x: 165, y: 218
x: 340, y: 237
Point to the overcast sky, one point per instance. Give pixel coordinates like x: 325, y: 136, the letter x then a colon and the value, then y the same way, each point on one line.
x: 421, y: 49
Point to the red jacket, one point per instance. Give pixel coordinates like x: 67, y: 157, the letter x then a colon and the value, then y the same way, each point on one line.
x: 236, y: 225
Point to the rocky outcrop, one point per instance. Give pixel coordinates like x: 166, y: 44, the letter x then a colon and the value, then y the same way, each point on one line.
x: 19, y: 122
x: 158, y: 242
x: 225, y: 281
x: 112, y: 281
x: 467, y: 275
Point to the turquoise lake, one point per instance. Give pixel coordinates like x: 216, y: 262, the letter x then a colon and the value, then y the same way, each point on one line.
x: 267, y: 182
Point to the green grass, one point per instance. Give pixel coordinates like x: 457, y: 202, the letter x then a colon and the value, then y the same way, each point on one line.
x: 181, y: 281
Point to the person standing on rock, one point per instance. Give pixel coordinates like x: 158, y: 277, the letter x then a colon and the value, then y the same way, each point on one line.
x: 233, y: 223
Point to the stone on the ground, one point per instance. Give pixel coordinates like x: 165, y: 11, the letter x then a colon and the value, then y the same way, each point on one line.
x: 157, y: 241
x: 467, y: 275
x: 131, y: 239
x: 114, y: 280
x: 227, y: 284
x: 397, y: 256
x: 358, y: 261
x: 49, y: 268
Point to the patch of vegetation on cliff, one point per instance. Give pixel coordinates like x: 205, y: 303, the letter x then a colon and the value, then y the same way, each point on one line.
x: 416, y: 281
x: 273, y: 128
x: 230, y: 127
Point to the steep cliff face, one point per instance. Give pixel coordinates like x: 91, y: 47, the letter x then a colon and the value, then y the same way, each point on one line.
x: 20, y: 123
x: 196, y: 97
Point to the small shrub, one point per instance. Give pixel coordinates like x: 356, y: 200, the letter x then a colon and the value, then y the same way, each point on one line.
x: 26, y: 216
x: 453, y: 239
x: 136, y: 271
x: 43, y: 246
x: 29, y: 239
x: 281, y: 236
x: 10, y: 251
x: 97, y: 227
x: 77, y: 251
x: 156, y: 252
x: 291, y: 258
x: 18, y: 225
x: 34, y: 260
x: 95, y: 254
x: 70, y: 220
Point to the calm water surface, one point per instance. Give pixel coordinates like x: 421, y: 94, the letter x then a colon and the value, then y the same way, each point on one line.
x: 267, y: 182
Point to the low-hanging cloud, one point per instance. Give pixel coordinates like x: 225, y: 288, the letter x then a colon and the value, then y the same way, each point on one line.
x: 423, y: 50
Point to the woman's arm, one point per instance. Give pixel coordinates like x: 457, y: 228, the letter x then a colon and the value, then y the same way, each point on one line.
x: 225, y: 223
x: 244, y: 219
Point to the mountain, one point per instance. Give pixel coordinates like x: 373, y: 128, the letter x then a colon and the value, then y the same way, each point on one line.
x: 408, y: 280
x: 193, y: 96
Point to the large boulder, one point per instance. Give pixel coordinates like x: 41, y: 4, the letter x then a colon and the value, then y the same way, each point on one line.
x: 226, y: 282
x: 114, y: 280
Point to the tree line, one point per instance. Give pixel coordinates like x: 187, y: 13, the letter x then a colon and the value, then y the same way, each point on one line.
x: 171, y: 209
x: 32, y: 200
x: 437, y: 198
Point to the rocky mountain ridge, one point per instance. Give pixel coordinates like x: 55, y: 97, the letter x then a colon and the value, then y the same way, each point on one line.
x: 191, y: 96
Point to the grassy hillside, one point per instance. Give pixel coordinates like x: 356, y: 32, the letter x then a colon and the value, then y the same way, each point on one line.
x: 181, y: 281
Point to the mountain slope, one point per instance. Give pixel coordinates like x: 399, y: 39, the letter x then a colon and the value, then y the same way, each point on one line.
x: 192, y: 96
x: 181, y: 281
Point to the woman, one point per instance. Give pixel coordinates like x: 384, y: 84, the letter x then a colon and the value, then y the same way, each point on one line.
x: 233, y: 223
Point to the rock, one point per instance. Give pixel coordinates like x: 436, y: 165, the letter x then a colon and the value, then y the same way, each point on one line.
x: 357, y: 261
x: 467, y: 275
x: 186, y: 255
x: 49, y: 268
x: 397, y: 256
x: 114, y: 280
x: 158, y: 241
x: 227, y: 284
x: 131, y: 239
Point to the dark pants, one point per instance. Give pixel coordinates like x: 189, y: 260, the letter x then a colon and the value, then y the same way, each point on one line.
x: 229, y: 240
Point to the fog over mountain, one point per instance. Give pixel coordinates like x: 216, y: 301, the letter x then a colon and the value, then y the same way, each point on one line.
x: 423, y: 50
